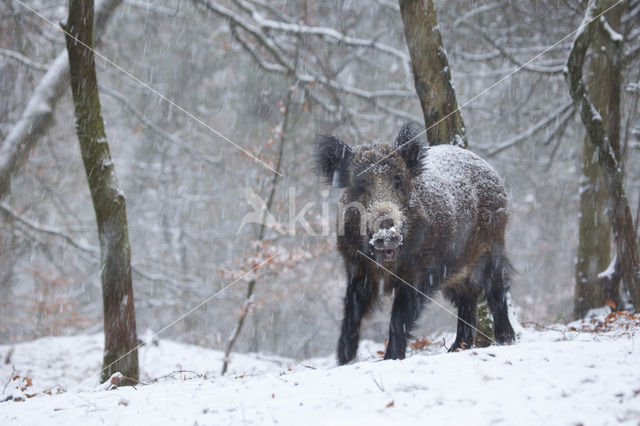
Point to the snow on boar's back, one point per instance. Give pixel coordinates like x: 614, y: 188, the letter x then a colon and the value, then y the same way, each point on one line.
x: 412, y: 220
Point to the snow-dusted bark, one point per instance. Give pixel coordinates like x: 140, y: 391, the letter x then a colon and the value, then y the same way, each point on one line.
x: 38, y: 114
x: 619, y: 212
x: 431, y: 73
x: 120, y: 354
x: 594, y: 230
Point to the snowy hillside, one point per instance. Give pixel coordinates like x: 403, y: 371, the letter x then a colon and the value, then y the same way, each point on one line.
x: 581, y: 373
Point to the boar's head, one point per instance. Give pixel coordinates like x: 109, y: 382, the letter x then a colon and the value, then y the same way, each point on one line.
x: 378, y: 185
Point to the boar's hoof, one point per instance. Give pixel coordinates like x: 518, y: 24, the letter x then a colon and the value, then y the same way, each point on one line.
x: 505, y: 339
x: 391, y: 355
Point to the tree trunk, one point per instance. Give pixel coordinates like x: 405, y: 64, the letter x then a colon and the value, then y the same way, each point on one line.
x: 38, y: 114
x: 594, y: 244
x: 594, y: 235
x: 120, y: 354
x: 432, y: 74
x: 619, y: 212
x: 434, y: 86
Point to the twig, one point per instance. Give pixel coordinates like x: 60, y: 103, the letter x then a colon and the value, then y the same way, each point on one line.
x: 328, y: 34
x: 557, y: 134
x: 562, y: 113
x: 444, y: 344
x: 7, y: 209
x: 177, y: 372
x: 13, y: 374
x: 557, y: 70
x: 19, y: 57
x: 306, y: 366
x: 150, y: 7
x: 156, y: 128
x: 379, y: 385
x: 7, y: 359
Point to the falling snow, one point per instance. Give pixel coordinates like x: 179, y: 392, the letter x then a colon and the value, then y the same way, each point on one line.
x: 208, y: 98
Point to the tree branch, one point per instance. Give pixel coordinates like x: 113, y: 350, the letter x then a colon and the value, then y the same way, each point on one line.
x: 328, y: 34
x: 561, y: 113
x: 19, y: 57
x: 48, y: 230
x: 37, y: 115
x: 558, y: 70
x: 156, y: 128
x: 280, y: 63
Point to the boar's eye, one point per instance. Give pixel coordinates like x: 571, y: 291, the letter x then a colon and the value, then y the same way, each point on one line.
x: 397, y: 182
x: 361, y: 188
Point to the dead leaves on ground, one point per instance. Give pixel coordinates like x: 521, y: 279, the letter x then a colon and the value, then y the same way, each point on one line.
x: 20, y: 389
x: 615, y: 321
x: 421, y: 344
x: 417, y: 345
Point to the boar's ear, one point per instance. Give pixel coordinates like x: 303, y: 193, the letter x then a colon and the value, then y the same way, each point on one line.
x: 410, y: 148
x: 333, y: 157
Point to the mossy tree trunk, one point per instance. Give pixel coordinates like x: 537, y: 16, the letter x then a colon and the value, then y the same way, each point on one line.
x: 619, y: 212
x: 594, y: 244
x: 120, y: 354
x: 432, y: 74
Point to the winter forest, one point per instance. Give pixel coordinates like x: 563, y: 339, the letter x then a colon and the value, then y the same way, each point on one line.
x: 158, y: 186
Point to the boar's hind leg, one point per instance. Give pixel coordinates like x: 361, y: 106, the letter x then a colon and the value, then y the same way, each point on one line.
x: 495, y: 281
x: 356, y: 304
x: 405, y: 312
x: 466, y: 300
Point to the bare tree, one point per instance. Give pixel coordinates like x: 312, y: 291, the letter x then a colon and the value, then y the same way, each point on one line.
x: 619, y: 211
x: 246, y: 306
x: 120, y: 354
x: 594, y: 244
x: 272, y: 44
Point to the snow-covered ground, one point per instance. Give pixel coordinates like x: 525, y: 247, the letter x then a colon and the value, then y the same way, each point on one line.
x: 581, y: 373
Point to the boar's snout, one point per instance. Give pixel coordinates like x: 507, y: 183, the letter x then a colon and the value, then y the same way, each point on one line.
x: 387, y: 236
x: 386, y: 241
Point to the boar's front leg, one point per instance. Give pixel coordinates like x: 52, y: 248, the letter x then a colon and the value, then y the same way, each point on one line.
x: 356, y: 304
x: 405, y: 312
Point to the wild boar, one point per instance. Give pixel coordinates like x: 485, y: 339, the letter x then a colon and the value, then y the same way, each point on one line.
x: 412, y: 220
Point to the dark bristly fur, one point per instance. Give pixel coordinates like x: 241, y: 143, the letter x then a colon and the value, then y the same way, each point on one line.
x: 437, y: 217
x: 410, y: 147
x: 333, y: 156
